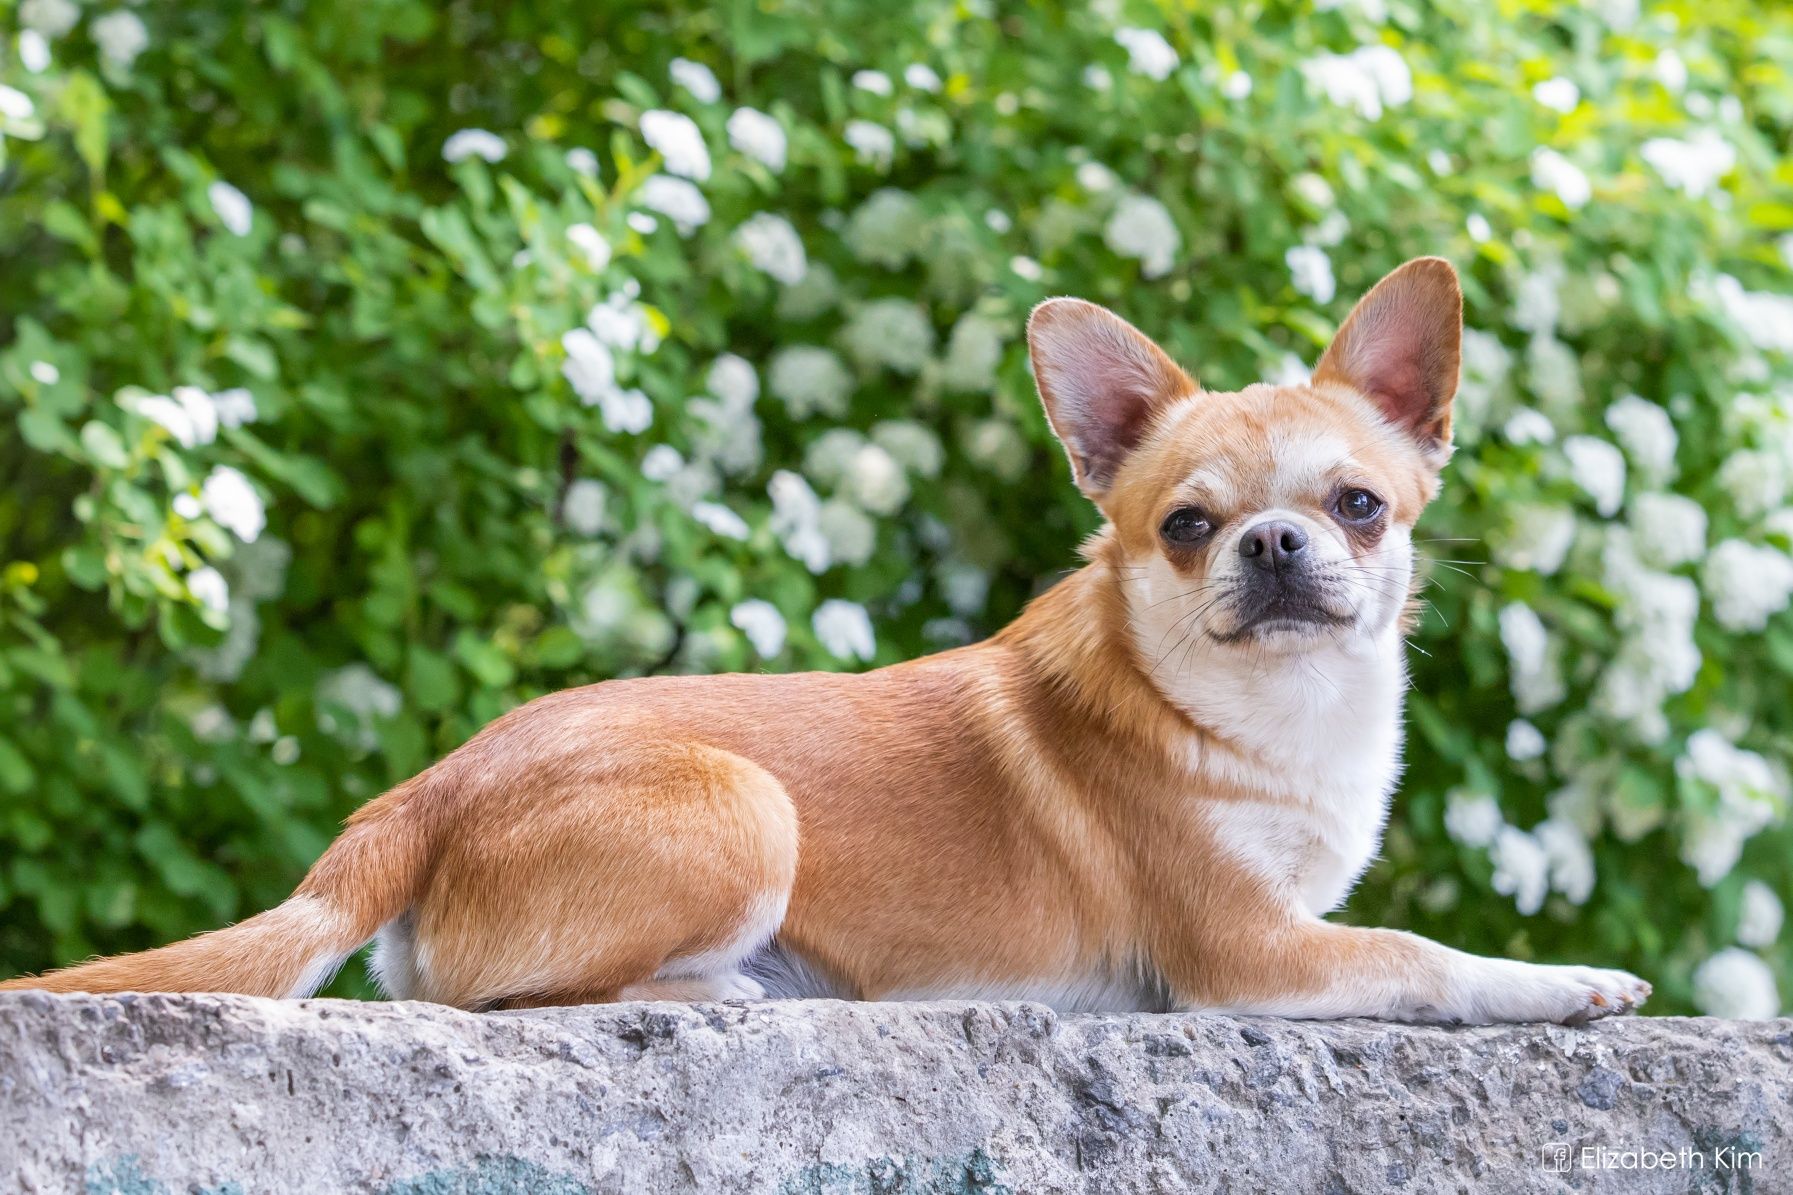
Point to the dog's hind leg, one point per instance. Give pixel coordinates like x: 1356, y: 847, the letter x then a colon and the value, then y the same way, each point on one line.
x: 647, y: 872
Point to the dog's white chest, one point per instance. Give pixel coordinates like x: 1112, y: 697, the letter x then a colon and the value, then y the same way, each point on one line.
x: 1315, y: 854
x: 1324, y: 772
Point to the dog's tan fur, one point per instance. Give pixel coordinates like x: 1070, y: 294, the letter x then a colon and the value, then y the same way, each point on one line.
x: 1037, y: 814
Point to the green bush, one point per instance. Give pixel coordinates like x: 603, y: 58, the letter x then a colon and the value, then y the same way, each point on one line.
x: 552, y: 411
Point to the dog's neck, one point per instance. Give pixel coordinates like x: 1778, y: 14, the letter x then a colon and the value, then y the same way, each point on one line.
x: 1310, y: 724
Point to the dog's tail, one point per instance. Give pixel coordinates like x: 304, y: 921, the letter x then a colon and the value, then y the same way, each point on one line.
x: 370, y: 875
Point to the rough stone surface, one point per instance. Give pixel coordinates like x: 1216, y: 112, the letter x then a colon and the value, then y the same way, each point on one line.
x: 153, y: 1095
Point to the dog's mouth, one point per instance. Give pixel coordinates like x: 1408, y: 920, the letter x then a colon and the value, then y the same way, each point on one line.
x: 1261, y: 612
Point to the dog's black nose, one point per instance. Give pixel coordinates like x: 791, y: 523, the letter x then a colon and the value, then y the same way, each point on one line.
x: 1273, y: 544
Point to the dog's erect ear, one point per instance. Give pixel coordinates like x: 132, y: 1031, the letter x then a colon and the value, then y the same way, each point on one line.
x: 1102, y: 381
x: 1402, y: 346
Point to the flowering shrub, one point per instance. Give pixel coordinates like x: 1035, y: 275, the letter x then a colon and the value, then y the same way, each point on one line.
x: 370, y: 369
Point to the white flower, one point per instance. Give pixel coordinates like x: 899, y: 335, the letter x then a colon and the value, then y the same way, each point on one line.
x: 732, y: 380
x: 1141, y: 228
x: 1667, y: 529
x: 234, y: 407
x: 591, y: 245
x: 1657, y: 611
x: 1551, y: 171
x: 1472, y: 818
x: 1370, y: 79
x: 758, y: 136
x: 1570, y: 860
x: 763, y: 625
x: 887, y: 229
x: 209, y: 589
x: 677, y: 200
x: 172, y: 417
x: 1554, y: 372
x: 1647, y: 433
x: 1536, y: 680
x: 873, y: 144
x: 893, y: 333
x: 474, y: 143
x: 15, y: 104
x: 1524, y: 741
x: 1693, y: 166
x: 1236, y: 86
x: 720, y: 519
x: 661, y: 463
x: 589, y: 366
x: 796, y: 520
x: 120, y: 35
x: 679, y: 142
x: 1766, y: 319
x: 965, y: 587
x: 1097, y: 78
x: 921, y: 76
x: 583, y: 506
x: 844, y: 629
x: 233, y: 503
x: 1735, y: 983
x: 697, y: 79
x: 830, y: 455
x: 622, y: 323
x: 49, y: 18
x: 1536, y: 539
x: 1598, y: 467
x: 358, y: 690
x: 1096, y: 178
x: 972, y: 355
x: 1747, y: 583
x: 1755, y: 480
x: 876, y: 82
x: 1290, y: 370
x: 913, y: 446
x: 1749, y: 793
x: 1478, y: 228
x: 201, y: 413
x: 773, y: 247
x: 1521, y: 869
x: 231, y: 206
x: 582, y: 161
x: 45, y: 373
x: 1559, y: 94
x: 34, y: 51
x: 1026, y: 267
x: 1528, y: 425
x: 994, y: 444
x: 1147, y: 52
x: 876, y: 480
x: 1671, y: 69
x: 809, y: 381
x: 1310, y: 271
x: 849, y: 531
x: 1538, y: 301
x: 1759, y: 915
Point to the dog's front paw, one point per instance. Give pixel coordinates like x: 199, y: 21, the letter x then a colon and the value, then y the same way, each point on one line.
x: 1577, y: 995
x: 1597, y: 993
x: 1515, y: 992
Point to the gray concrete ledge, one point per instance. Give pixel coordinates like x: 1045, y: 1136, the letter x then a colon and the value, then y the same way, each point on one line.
x: 154, y: 1095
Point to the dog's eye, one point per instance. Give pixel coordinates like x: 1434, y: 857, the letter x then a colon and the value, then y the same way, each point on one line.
x: 1358, y: 506
x: 1185, y: 525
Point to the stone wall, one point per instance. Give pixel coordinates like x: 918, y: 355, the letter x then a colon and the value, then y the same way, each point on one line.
x: 153, y: 1095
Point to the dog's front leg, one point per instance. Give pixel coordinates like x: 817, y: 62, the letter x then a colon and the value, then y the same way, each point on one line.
x: 1310, y: 968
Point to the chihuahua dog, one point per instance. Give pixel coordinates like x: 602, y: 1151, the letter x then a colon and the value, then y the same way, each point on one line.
x: 1145, y: 793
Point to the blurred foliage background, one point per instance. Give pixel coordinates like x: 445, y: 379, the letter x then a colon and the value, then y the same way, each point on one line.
x: 370, y: 368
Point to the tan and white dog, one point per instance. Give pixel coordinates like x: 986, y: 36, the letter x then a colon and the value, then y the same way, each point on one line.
x: 1145, y: 793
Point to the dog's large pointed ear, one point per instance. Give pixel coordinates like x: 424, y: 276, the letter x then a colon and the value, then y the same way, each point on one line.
x: 1402, y: 346
x: 1102, y: 381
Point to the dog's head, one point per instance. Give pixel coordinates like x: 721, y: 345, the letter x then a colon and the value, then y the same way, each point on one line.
x: 1277, y: 518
